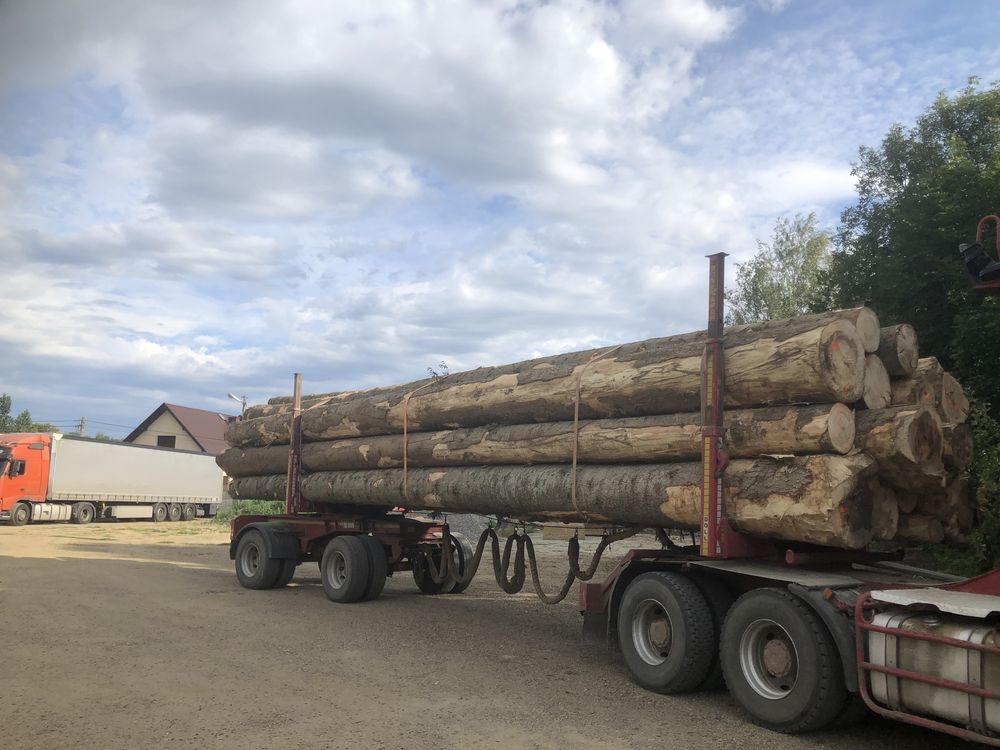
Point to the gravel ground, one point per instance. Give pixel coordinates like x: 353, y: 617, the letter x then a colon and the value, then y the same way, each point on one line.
x: 138, y: 635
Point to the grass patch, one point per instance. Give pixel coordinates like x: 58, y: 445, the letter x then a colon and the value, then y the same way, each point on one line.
x: 249, y: 508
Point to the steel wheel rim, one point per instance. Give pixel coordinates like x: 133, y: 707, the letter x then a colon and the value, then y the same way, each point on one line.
x: 336, y: 570
x: 21, y: 512
x: 652, y: 632
x: 769, y: 660
x: 250, y: 560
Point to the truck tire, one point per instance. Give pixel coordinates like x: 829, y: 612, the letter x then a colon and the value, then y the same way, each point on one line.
x: 286, y: 573
x: 188, y: 512
x: 345, y: 570
x: 83, y: 513
x: 780, y: 662
x: 254, y: 569
x: 665, y: 633
x: 174, y: 512
x: 20, y: 514
x: 719, y: 600
x: 379, y: 566
x: 464, y: 554
x: 160, y: 512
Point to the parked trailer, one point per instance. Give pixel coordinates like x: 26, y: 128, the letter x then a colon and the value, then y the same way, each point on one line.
x: 803, y: 637
x: 55, y: 477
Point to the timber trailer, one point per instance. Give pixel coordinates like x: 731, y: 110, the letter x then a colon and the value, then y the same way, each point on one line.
x: 802, y: 637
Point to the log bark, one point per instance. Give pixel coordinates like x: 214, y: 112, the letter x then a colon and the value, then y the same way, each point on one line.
x: 827, y: 428
x: 906, y: 443
x: 950, y: 399
x: 864, y: 320
x: 958, y: 447
x: 818, y: 365
x: 885, y: 510
x: 816, y: 499
x: 898, y: 350
x: 917, y: 528
x: 878, y: 389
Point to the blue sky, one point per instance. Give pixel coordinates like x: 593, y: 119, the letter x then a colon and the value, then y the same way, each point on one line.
x: 202, y: 198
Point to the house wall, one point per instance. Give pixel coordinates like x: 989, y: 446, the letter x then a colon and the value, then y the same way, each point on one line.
x: 167, y: 424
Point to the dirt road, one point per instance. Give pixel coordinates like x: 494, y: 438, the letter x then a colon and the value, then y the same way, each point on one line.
x: 138, y: 635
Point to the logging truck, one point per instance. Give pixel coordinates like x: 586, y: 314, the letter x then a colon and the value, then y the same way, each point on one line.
x: 777, y: 597
x: 55, y: 477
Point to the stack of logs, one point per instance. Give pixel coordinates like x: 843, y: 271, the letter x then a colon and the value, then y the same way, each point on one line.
x: 838, y: 435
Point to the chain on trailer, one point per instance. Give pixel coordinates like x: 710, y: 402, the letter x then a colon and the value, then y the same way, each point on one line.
x: 523, y: 547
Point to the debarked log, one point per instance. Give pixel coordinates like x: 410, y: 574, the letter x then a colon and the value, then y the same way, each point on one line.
x: 818, y: 365
x: 816, y: 499
x: 827, y: 428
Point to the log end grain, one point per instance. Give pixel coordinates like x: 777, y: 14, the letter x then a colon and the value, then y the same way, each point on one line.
x: 842, y: 359
x: 878, y: 389
x: 954, y: 406
x: 899, y: 350
x: 868, y: 326
x: 919, y: 528
x: 840, y: 428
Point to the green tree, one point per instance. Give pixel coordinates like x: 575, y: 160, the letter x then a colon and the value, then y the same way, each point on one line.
x: 22, y: 422
x: 921, y: 194
x: 781, y: 279
x: 105, y: 438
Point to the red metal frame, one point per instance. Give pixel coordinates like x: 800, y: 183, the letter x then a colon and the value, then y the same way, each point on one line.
x: 863, y: 625
x: 989, y: 287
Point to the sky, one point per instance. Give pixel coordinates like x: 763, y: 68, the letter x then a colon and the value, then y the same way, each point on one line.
x: 202, y: 198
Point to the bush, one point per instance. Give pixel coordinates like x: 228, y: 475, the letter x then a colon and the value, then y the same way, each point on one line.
x: 250, y: 508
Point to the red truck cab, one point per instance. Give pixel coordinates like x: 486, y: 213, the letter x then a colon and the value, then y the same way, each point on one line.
x: 24, y: 473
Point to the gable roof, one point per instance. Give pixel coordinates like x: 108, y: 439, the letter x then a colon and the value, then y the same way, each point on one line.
x: 206, y: 428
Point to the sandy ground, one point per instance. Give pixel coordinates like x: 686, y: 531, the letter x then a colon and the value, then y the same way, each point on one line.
x: 138, y: 636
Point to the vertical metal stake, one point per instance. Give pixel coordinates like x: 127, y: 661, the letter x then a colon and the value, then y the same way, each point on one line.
x: 292, y: 494
x: 712, y: 396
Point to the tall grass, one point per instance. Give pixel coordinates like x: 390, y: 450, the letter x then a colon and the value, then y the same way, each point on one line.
x: 249, y: 508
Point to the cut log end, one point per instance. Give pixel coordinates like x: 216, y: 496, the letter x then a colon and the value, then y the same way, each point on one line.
x: 867, y: 324
x: 899, y: 350
x: 842, y: 358
x: 918, y: 528
x: 954, y: 406
x: 878, y: 388
x: 840, y: 428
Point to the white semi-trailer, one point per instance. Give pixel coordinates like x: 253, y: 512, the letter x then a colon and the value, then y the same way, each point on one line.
x: 54, y: 477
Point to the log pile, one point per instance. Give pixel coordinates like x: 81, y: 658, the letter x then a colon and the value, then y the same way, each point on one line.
x: 838, y: 434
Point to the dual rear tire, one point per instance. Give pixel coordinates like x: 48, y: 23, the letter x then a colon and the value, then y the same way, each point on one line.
x: 680, y: 633
x: 353, y: 568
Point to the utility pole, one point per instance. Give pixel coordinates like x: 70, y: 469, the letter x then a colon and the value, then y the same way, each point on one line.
x: 83, y: 425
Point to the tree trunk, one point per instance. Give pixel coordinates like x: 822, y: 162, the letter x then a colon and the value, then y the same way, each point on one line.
x: 950, y: 399
x: 898, y: 350
x: 749, y: 433
x: 878, y: 390
x: 958, y: 448
x: 905, y: 441
x: 916, y: 528
x: 818, y: 365
x: 817, y: 499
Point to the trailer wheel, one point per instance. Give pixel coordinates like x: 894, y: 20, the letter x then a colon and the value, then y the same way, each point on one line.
x: 665, y: 633
x: 174, y: 512
x: 83, y: 513
x: 20, y: 514
x: 160, y: 512
x: 254, y: 569
x: 463, y: 554
x: 285, y: 574
x: 780, y: 662
x: 188, y: 512
x: 379, y: 566
x: 719, y: 600
x: 345, y: 570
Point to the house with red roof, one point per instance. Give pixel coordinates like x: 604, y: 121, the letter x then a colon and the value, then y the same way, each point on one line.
x: 183, y: 428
